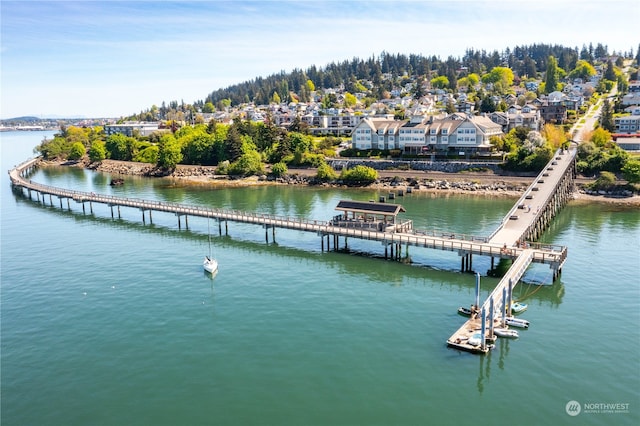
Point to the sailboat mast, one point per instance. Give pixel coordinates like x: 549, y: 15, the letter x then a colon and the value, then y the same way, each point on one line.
x: 209, y: 234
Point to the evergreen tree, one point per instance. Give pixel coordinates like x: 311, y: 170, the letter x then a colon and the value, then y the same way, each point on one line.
x: 529, y: 68
x: 610, y: 73
x: 233, y: 144
x: 606, y: 117
x: 601, y: 51
x: 487, y: 105
x: 551, y: 77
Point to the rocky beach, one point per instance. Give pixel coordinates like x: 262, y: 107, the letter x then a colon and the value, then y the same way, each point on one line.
x: 486, y: 183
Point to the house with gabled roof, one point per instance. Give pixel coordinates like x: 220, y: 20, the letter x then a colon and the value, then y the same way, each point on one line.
x: 452, y: 133
x: 516, y: 116
x: 412, y: 135
x: 376, y: 133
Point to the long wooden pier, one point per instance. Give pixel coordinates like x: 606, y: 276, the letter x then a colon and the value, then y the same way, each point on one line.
x: 542, y: 200
x: 511, y: 240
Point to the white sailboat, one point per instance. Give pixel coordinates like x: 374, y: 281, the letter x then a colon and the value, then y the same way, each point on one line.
x: 210, y: 264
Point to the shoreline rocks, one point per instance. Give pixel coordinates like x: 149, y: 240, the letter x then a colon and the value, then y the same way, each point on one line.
x: 391, y: 180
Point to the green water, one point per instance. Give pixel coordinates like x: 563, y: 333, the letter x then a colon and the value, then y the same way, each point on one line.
x: 113, y: 322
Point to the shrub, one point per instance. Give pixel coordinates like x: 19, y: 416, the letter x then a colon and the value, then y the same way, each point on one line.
x: 148, y: 155
x: 359, y: 176
x: 77, y: 151
x: 605, y: 181
x: 326, y: 173
x: 279, y: 169
x: 249, y: 163
x: 98, y: 152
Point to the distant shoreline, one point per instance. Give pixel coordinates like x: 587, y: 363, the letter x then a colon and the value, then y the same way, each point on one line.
x: 483, y: 183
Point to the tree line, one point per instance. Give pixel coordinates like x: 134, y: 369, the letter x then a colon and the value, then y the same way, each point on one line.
x: 377, y: 76
x: 245, y: 148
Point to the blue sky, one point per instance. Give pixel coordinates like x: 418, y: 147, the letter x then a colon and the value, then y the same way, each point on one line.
x: 115, y: 58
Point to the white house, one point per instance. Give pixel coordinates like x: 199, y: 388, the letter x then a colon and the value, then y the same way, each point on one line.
x: 456, y: 133
x: 627, y: 124
x: 376, y: 133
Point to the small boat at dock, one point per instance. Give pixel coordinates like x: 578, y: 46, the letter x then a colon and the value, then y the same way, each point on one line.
x: 506, y: 332
x: 464, y: 311
x: 475, y: 339
x: 517, y: 307
x: 517, y: 322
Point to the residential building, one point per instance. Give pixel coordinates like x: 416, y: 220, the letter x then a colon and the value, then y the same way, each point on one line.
x: 627, y: 124
x: 553, y: 112
x: 628, y: 142
x: 131, y: 128
x: 460, y: 133
x: 376, y: 133
x: 527, y: 116
x: 631, y: 98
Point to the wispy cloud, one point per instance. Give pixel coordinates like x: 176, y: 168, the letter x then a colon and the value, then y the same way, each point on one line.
x: 125, y: 56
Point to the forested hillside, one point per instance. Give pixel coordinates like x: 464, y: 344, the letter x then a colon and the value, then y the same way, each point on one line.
x: 525, y: 61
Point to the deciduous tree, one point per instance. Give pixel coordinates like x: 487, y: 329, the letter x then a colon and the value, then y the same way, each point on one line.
x: 440, y: 82
x: 97, y: 152
x: 77, y: 151
x: 170, y: 154
x: 500, y: 77
x: 583, y: 70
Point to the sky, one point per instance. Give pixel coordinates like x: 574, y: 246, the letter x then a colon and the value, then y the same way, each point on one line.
x: 116, y: 58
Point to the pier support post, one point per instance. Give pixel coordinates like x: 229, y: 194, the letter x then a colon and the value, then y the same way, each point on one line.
x: 477, y: 301
x: 465, y: 262
x: 504, y: 306
x: 483, y: 328
x: 491, y: 315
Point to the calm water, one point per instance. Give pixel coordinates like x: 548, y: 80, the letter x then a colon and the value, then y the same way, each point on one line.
x: 112, y: 321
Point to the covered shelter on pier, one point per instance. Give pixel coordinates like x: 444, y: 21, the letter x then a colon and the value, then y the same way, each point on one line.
x: 361, y: 214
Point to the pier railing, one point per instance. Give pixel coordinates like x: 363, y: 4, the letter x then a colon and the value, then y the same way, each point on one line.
x: 542, y: 253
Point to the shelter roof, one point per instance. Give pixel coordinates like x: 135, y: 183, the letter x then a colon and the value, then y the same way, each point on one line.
x: 370, y: 207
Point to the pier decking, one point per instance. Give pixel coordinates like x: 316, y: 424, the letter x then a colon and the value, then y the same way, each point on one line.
x: 513, y: 239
